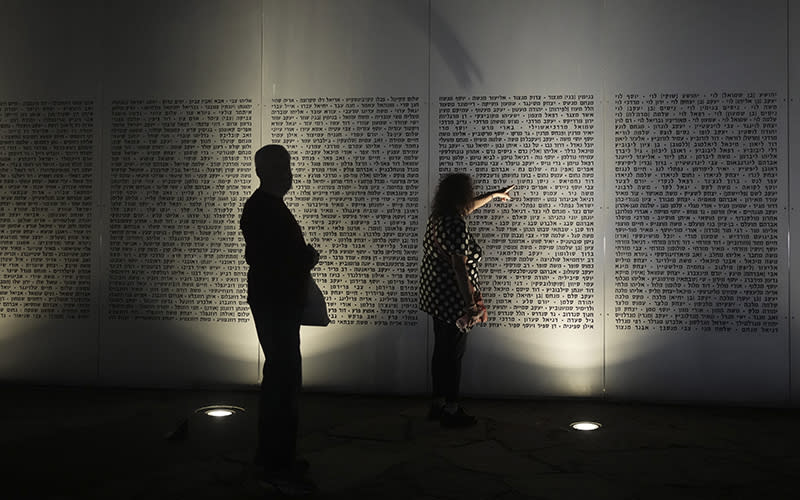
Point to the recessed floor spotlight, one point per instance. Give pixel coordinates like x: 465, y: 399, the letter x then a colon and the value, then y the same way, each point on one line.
x: 585, y: 425
x: 219, y: 411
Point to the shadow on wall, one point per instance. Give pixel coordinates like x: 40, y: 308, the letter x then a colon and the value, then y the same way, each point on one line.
x: 164, y: 354
x: 48, y: 351
x: 516, y: 362
x: 698, y: 367
x: 444, y: 39
x: 130, y: 353
x: 135, y: 353
x: 361, y: 360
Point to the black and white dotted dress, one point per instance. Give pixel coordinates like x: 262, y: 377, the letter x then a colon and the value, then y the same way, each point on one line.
x: 438, y: 290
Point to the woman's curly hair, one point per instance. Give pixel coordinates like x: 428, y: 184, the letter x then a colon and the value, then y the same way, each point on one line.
x: 454, y: 195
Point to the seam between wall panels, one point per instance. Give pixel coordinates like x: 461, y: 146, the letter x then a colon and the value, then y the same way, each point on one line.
x: 428, y: 170
x: 262, y: 137
x: 790, y: 396
x: 606, y: 217
x: 605, y: 211
x: 100, y: 93
x: 99, y: 217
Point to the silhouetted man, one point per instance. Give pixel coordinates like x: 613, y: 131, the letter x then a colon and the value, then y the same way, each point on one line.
x: 280, y: 263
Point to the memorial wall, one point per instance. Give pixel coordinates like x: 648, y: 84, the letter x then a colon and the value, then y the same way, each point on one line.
x: 49, y: 165
x: 644, y: 253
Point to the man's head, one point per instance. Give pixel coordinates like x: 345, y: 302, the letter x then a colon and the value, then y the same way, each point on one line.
x: 273, y: 168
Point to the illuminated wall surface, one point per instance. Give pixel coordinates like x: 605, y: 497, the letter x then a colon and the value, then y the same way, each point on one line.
x: 645, y: 254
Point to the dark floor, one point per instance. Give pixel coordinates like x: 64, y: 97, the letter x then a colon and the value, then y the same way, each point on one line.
x: 110, y: 444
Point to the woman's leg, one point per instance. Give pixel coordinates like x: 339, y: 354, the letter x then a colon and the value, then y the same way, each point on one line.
x: 448, y: 350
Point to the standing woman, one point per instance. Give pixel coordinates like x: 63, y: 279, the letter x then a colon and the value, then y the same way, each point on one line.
x: 449, y: 289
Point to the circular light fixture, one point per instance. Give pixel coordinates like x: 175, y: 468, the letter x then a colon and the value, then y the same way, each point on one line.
x: 219, y: 411
x: 585, y: 425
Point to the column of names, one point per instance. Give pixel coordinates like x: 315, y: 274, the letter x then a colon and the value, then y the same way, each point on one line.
x: 539, y: 268
x: 46, y: 181
x: 356, y: 162
x: 696, y: 212
x: 181, y: 170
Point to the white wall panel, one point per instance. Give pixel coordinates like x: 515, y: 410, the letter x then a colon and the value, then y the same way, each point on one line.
x: 793, y: 185
x: 49, y: 128
x: 181, y: 92
x: 694, y: 68
x: 510, y: 83
x: 340, y: 78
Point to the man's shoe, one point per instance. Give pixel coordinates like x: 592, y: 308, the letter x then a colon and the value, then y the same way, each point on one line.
x: 435, y: 412
x: 301, y: 465
x: 457, y: 419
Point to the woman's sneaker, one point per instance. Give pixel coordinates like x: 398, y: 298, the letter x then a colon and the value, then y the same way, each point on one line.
x: 456, y: 419
x: 290, y: 481
x: 435, y: 413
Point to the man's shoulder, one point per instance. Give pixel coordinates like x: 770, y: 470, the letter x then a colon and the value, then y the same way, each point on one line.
x: 263, y: 200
